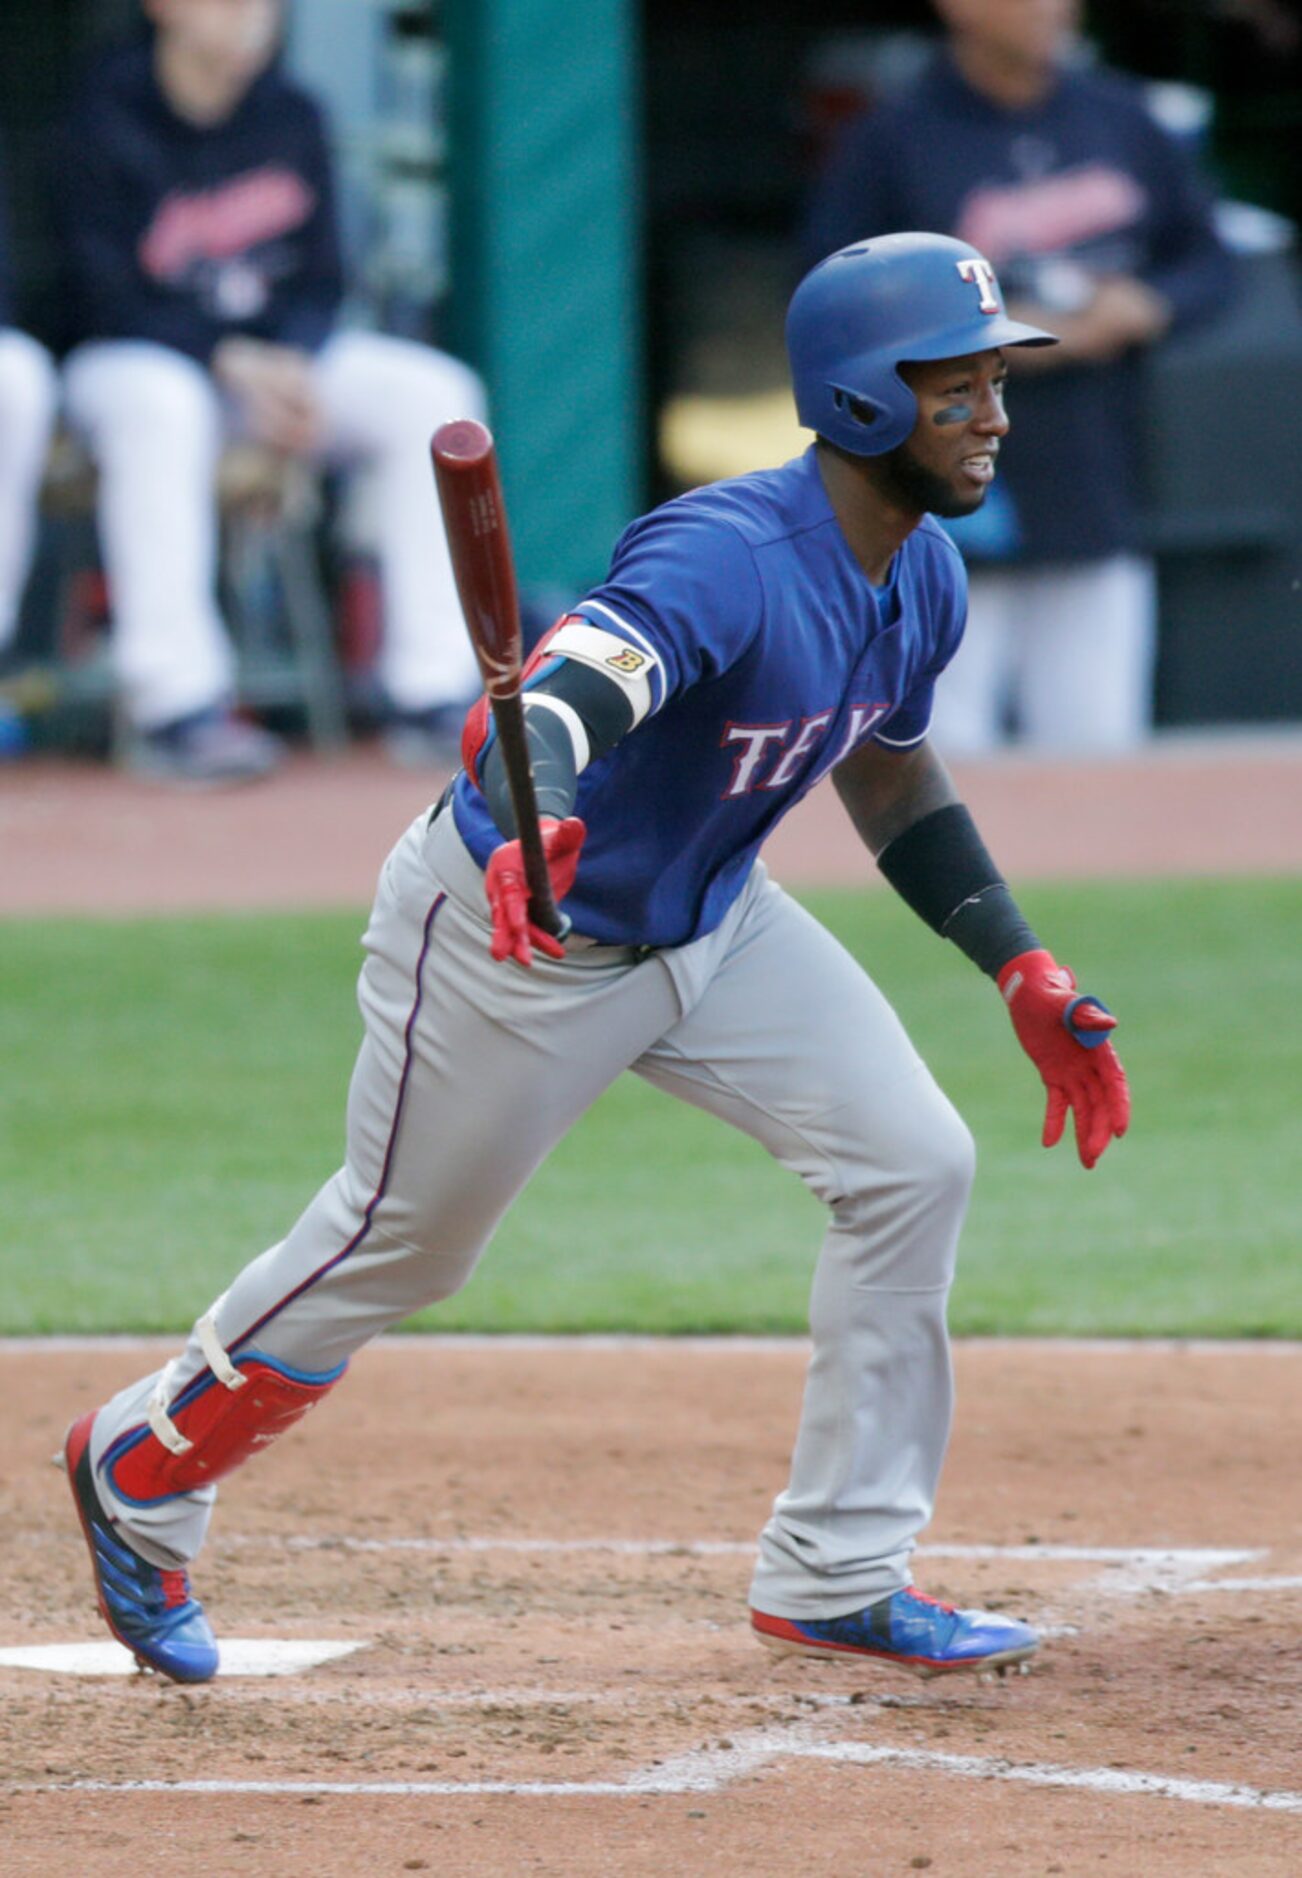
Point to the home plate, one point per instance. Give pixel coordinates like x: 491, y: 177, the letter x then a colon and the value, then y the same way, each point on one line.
x: 240, y: 1656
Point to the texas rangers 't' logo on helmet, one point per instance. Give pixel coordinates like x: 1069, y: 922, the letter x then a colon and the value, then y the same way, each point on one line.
x: 979, y: 271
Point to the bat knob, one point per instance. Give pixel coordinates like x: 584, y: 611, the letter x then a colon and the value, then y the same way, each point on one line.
x: 462, y: 442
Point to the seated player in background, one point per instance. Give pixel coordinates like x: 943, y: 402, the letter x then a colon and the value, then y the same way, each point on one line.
x: 750, y: 638
x: 195, y: 203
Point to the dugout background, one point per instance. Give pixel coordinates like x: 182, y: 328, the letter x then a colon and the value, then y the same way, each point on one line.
x: 596, y: 205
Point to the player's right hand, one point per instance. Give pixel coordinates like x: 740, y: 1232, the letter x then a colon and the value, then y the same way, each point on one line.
x: 514, y: 933
x: 1065, y: 1036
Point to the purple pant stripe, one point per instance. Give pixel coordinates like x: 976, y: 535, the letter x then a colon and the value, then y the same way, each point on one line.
x: 375, y: 1199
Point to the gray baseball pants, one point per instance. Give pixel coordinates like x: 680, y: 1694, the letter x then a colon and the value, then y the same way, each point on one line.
x: 471, y: 1071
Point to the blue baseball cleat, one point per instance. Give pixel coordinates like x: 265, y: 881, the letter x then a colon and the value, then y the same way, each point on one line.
x: 149, y: 1610
x: 917, y: 1632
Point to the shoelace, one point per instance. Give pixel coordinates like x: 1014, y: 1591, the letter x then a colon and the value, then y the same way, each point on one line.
x: 922, y: 1598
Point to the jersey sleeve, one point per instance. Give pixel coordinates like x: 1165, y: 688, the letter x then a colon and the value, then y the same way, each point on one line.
x: 1189, y: 264
x: 682, y: 589
x: 947, y: 589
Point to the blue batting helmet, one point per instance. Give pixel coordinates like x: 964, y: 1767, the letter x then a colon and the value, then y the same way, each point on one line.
x: 857, y: 315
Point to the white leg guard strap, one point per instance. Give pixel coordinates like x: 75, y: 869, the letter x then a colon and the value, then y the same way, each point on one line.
x: 218, y: 1362
x: 159, y: 1419
x: 191, y: 1439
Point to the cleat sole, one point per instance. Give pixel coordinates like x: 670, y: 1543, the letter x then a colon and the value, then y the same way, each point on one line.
x: 1001, y: 1661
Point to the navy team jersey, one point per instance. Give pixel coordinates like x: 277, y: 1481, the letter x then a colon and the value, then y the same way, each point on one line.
x: 771, y: 657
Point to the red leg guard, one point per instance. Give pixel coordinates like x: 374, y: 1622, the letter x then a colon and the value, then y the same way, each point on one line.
x: 223, y: 1426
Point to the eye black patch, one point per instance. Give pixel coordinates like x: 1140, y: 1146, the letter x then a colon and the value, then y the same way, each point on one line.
x: 954, y: 414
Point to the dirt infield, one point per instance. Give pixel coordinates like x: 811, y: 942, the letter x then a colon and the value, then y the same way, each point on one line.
x: 81, y: 839
x: 542, y: 1551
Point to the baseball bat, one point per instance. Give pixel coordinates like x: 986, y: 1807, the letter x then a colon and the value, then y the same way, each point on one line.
x: 474, y: 513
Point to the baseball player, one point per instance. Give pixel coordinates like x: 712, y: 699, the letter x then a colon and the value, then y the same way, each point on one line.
x: 750, y: 638
x: 194, y: 202
x: 1099, y: 223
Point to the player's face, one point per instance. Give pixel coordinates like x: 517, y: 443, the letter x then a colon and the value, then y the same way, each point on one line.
x: 236, y: 36
x: 1020, y: 32
x: 948, y: 463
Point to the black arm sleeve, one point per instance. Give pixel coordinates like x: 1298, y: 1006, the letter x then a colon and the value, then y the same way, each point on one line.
x: 602, y: 708
x: 941, y: 868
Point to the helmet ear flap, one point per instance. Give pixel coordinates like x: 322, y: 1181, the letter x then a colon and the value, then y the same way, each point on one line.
x: 868, y: 425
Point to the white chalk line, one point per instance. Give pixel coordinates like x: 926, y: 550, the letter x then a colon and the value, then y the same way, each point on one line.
x: 1198, y: 1556
x: 1132, y: 1568
x: 436, y: 1341
x: 1109, y: 1780
x: 1201, y: 1585
x: 710, y: 1770
x: 1129, y: 1571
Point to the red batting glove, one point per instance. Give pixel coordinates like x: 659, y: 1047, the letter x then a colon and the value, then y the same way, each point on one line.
x: 1065, y: 1036
x: 514, y: 933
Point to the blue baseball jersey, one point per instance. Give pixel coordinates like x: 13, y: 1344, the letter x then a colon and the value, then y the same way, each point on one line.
x: 770, y: 657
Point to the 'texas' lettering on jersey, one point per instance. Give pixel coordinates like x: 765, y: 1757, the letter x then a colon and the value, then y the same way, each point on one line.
x: 768, y: 756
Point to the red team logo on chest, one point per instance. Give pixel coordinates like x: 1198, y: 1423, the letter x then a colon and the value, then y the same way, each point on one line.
x: 768, y: 756
x: 229, y: 219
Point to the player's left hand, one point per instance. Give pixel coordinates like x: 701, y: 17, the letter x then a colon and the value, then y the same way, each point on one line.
x: 1065, y: 1036
x: 514, y: 933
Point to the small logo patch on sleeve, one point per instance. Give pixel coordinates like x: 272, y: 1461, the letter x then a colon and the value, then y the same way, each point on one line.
x: 627, y: 661
x: 631, y: 667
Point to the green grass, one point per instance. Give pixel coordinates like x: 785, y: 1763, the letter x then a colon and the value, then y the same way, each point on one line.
x: 173, y: 1091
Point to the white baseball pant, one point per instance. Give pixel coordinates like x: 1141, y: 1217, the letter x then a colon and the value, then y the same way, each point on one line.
x: 156, y: 422
x: 1071, y: 647
x: 470, y: 1072
x: 28, y: 403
